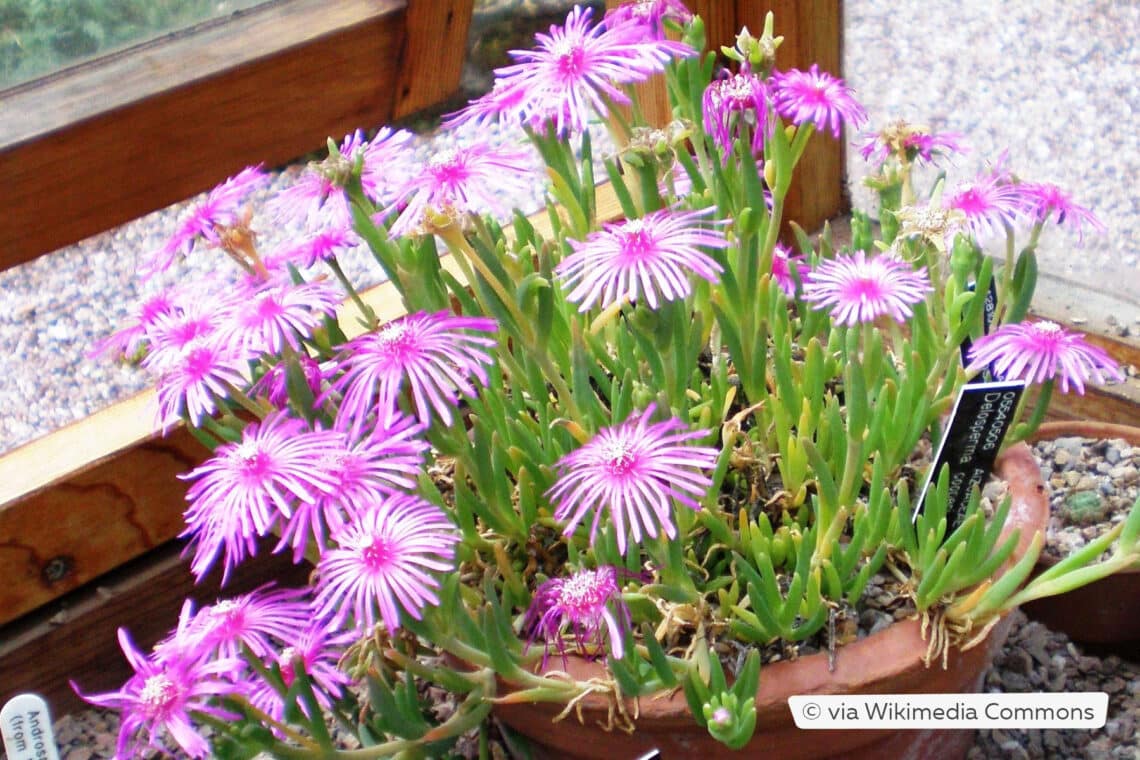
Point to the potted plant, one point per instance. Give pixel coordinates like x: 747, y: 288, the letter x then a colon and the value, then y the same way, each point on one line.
x: 593, y: 467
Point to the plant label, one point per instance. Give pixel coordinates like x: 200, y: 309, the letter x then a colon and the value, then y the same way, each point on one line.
x: 989, y: 308
x: 983, y: 414
x: 26, y: 725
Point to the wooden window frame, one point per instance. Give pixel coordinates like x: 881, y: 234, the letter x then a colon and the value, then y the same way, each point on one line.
x: 101, y: 143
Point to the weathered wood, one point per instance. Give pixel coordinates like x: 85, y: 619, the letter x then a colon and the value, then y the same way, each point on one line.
x: 99, y: 145
x: 431, y: 62
x: 75, y: 638
x: 87, y: 498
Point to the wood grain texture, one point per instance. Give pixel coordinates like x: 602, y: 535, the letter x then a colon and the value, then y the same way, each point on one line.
x: 431, y: 62
x: 75, y: 637
x: 63, y: 533
x: 105, y: 143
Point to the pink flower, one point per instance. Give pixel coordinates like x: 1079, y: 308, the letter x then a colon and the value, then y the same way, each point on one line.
x: 634, y: 471
x: 387, y: 459
x: 652, y: 14
x: 817, y: 97
x: 735, y: 105
x: 274, y: 383
x: 159, y: 697
x: 191, y: 380
x: 386, y: 559
x: 651, y: 258
x: 1044, y: 198
x: 434, y: 354
x: 220, y: 208
x: 241, y: 492
x: 1037, y: 352
x: 317, y: 198
x: 319, y: 652
x: 465, y: 179
x: 782, y: 263
x: 577, y: 68
x: 910, y: 143
x: 320, y: 247
x: 586, y: 607
x: 255, y: 620
x: 278, y: 314
x: 857, y: 289
x: 990, y: 203
x: 152, y: 311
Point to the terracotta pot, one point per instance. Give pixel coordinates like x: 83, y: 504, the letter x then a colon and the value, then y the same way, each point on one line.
x: 887, y: 662
x: 1105, y: 612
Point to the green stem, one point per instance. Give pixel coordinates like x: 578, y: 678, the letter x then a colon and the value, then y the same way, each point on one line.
x: 369, y: 316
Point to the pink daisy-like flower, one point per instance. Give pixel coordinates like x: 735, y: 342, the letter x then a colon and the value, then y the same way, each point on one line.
x: 651, y: 258
x: 241, y: 492
x: 254, y: 619
x: 733, y: 102
x: 652, y: 14
x: 586, y: 607
x: 158, y: 699
x: 317, y: 199
x: 1037, y: 352
x: 152, y: 311
x: 507, y: 96
x: 464, y: 179
x: 817, y: 97
x: 910, y: 143
x: 989, y: 203
x: 580, y: 66
x: 322, y: 246
x: 635, y: 471
x: 857, y: 289
x: 319, y: 652
x: 278, y: 314
x: 386, y: 560
x: 191, y: 380
x: 220, y: 208
x: 782, y: 263
x: 434, y: 354
x: 274, y: 383
x: 1044, y: 198
x: 387, y: 459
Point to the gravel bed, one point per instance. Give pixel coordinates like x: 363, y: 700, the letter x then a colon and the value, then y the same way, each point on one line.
x: 1093, y: 483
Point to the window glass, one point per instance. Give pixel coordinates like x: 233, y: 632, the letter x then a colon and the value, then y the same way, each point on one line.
x: 38, y: 37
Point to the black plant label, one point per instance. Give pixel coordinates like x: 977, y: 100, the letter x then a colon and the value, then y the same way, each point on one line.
x: 989, y: 308
x: 981, y: 418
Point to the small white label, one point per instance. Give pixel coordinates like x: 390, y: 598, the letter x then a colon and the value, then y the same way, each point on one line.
x: 922, y: 711
x: 26, y: 724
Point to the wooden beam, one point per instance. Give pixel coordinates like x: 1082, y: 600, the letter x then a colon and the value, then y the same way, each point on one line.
x: 75, y: 637
x: 431, y: 62
x: 103, y: 143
